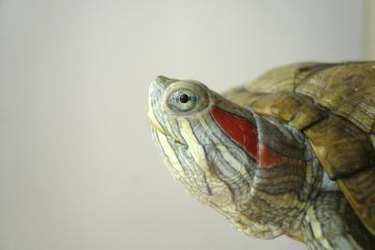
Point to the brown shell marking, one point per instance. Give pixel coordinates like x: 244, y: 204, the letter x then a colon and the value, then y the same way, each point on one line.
x: 298, y: 110
x: 342, y: 148
x: 359, y: 190
x: 346, y: 90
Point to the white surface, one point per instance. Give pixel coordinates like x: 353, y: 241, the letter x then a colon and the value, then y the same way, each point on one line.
x: 78, y: 169
x: 369, y: 29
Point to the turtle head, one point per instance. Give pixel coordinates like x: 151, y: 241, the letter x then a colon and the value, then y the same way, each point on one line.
x: 250, y: 168
x: 187, y: 121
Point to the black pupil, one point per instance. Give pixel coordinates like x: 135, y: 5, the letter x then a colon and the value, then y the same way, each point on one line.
x: 184, y: 98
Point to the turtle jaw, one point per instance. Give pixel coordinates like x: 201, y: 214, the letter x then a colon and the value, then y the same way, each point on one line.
x: 157, y: 131
x: 154, y: 112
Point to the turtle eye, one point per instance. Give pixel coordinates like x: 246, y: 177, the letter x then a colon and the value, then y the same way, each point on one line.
x: 183, y: 100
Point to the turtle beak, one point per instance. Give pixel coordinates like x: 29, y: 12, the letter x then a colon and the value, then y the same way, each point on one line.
x: 162, y: 82
x: 157, y: 88
x: 155, y: 96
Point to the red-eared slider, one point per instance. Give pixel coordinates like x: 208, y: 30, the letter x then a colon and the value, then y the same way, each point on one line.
x: 290, y: 153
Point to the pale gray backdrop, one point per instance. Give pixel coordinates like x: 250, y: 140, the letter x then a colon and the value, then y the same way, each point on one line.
x: 78, y: 169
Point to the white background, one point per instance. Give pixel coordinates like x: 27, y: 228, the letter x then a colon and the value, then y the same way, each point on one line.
x: 78, y: 169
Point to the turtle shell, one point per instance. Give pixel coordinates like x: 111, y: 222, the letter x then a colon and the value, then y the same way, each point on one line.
x: 334, y: 106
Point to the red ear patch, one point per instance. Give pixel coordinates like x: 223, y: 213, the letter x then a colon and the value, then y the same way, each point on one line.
x: 246, y: 134
x: 238, y: 129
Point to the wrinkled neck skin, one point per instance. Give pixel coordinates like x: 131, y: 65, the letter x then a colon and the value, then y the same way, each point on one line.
x: 257, y: 172
x: 286, y: 176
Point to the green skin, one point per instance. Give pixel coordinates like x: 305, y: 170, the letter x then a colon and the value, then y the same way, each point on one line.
x: 280, y: 190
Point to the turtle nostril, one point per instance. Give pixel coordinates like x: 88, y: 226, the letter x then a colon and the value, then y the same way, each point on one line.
x: 157, y: 87
x: 162, y: 79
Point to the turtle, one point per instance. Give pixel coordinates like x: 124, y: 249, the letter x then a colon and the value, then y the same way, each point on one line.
x: 290, y: 153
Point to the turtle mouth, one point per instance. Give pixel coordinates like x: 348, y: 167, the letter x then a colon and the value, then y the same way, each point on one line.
x: 174, y: 140
x: 160, y: 131
x: 158, y: 128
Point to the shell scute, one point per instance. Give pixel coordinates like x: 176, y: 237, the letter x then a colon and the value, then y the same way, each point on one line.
x: 346, y: 90
x: 342, y: 148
